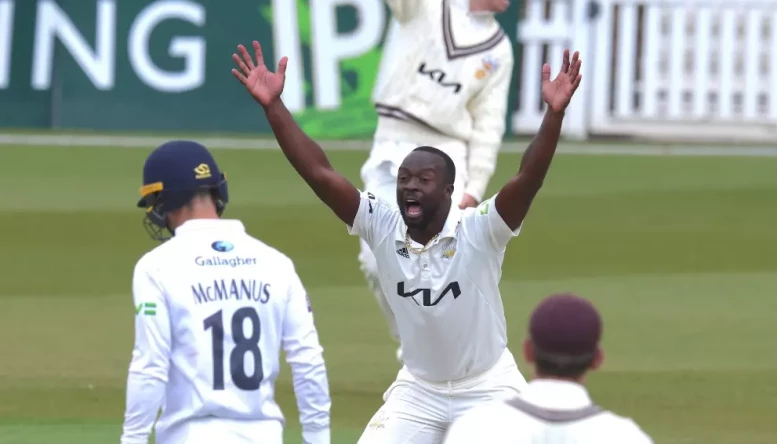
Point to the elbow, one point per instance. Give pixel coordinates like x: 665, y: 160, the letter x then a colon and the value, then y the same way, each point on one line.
x: 319, y: 176
x: 529, y: 183
x: 149, y: 370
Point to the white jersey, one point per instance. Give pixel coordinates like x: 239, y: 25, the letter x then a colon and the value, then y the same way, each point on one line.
x: 447, y: 72
x: 214, y: 306
x: 546, y: 412
x: 446, y: 301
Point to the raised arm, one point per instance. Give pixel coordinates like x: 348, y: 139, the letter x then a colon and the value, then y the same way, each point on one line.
x: 513, y: 201
x: 304, y: 154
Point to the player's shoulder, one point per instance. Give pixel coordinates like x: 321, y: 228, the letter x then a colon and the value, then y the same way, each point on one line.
x: 623, y: 429
x: 145, y: 262
x: 375, y: 200
x: 158, y: 255
x: 490, y: 422
x: 504, y: 48
x: 378, y: 206
x: 500, y: 56
x: 472, y: 214
x: 268, y: 254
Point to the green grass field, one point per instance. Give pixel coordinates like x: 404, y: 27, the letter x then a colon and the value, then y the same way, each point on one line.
x: 678, y: 253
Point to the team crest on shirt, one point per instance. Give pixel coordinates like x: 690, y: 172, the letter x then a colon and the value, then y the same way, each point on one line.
x: 378, y: 422
x: 488, y: 65
x: 449, y: 249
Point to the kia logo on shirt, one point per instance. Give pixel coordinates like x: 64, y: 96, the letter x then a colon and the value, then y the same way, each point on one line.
x: 222, y: 246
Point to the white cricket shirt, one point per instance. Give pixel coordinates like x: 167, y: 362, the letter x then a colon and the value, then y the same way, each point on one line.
x: 446, y: 301
x: 213, y: 308
x: 552, y: 411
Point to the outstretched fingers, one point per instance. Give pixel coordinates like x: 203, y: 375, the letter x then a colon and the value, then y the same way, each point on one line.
x: 576, y: 83
x: 574, y: 68
x: 282, y: 65
x: 565, y: 64
x: 240, y: 77
x: 258, y: 54
x: 246, y: 58
x: 545, y: 72
x: 244, y: 70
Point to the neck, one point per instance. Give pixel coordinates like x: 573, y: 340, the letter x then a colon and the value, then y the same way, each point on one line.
x: 178, y: 219
x: 424, y: 235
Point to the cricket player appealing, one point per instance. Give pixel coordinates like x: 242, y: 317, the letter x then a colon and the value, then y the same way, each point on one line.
x: 444, y: 83
x: 555, y: 408
x: 214, y: 306
x: 439, y: 265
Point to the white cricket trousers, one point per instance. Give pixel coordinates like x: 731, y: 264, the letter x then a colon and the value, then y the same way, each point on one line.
x: 222, y: 431
x: 418, y: 412
x: 379, y: 175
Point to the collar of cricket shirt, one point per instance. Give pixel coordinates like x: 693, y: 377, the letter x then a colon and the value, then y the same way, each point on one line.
x: 556, y: 394
x: 209, y: 224
x: 449, y: 229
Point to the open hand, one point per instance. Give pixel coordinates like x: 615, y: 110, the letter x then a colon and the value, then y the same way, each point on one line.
x: 558, y: 92
x: 265, y: 86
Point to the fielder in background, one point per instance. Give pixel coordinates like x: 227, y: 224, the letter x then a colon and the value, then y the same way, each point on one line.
x: 562, y: 347
x: 213, y: 307
x: 444, y: 81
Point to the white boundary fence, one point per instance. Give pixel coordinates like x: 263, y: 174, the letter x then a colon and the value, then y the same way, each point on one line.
x: 672, y: 69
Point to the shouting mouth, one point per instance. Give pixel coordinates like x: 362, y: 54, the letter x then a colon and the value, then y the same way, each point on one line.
x: 413, y: 208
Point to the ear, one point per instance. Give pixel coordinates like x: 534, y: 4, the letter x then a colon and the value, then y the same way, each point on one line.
x: 598, y: 359
x: 528, y: 351
x: 449, y: 190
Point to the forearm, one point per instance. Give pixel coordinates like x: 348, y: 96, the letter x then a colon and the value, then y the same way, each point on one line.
x: 538, y: 156
x: 311, y: 163
x: 313, y: 401
x: 304, y: 154
x: 145, y: 394
x: 311, y: 388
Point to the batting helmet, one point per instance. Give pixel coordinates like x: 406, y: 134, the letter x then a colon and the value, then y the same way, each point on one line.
x: 173, y: 173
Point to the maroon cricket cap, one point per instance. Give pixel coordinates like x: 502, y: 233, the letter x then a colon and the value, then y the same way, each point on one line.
x: 565, y: 324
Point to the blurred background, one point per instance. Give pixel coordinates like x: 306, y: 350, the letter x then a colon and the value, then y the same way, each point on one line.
x: 660, y: 206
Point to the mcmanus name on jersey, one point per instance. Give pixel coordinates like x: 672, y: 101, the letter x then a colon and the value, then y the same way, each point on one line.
x: 231, y: 289
x: 215, y: 261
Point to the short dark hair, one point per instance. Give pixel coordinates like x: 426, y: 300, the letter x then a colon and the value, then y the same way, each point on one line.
x: 562, y: 366
x: 205, y: 191
x: 450, y: 167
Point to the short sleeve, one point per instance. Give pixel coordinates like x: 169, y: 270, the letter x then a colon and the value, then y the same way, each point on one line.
x: 483, y: 226
x: 374, y: 220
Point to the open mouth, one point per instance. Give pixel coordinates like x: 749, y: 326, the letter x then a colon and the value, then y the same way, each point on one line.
x: 412, y: 208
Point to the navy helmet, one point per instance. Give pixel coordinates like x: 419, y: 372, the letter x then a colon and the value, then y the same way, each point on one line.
x: 173, y: 173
